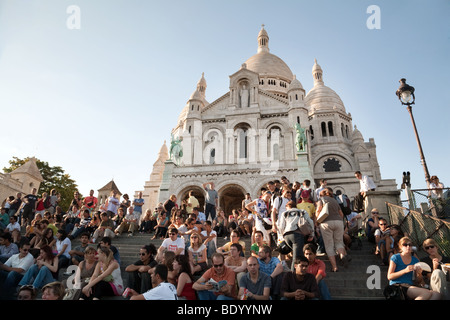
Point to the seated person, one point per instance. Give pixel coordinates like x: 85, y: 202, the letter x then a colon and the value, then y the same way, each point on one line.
x: 77, y: 253
x: 219, y: 272
x: 254, y: 285
x: 162, y: 289
x: 258, y: 243
x: 236, y: 262
x: 138, y: 275
x: 317, y: 268
x: 106, y: 242
x: 299, y: 284
x: 13, y: 270
x: 172, y: 243
x: 273, y: 267
x: 234, y: 238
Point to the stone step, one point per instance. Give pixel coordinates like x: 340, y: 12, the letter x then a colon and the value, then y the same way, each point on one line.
x: 347, y: 284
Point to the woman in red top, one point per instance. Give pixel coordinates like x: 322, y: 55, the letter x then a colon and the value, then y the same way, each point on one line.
x: 184, y: 278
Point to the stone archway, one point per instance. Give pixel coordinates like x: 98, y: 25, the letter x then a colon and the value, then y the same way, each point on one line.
x: 230, y: 197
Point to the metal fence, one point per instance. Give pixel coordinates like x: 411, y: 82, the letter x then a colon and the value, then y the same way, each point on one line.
x: 419, y: 226
x: 421, y: 200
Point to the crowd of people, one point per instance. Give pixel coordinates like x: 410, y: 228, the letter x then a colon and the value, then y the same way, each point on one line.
x: 289, y: 225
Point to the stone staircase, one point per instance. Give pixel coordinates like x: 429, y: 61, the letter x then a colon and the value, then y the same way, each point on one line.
x: 347, y: 284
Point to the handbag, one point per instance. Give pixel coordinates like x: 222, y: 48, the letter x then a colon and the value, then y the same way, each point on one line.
x: 323, y: 213
x: 283, y: 248
x: 394, y: 292
x: 72, y: 294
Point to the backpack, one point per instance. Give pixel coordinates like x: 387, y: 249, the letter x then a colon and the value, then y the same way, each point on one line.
x: 344, y: 203
x: 47, y: 202
x: 303, y: 224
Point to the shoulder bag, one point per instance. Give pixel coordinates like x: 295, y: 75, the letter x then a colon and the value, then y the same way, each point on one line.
x: 323, y: 213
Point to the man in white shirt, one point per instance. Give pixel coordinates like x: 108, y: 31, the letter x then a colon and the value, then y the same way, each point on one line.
x: 172, y: 243
x: 162, y: 290
x: 365, y: 182
x: 278, y: 207
x: 13, y: 270
x: 113, y: 204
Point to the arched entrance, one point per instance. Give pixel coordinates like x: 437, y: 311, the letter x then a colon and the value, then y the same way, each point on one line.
x: 230, y: 197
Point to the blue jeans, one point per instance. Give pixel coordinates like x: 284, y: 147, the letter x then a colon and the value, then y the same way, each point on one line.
x: 324, y: 292
x: 41, y: 277
x: 210, y: 209
x: 295, y: 241
x: 8, y: 281
x: 209, y: 295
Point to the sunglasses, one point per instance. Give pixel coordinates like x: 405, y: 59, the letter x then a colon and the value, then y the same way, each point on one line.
x: 218, y: 265
x: 429, y: 247
x: 407, y: 244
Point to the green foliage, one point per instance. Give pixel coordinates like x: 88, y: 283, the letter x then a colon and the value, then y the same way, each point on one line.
x: 54, y: 178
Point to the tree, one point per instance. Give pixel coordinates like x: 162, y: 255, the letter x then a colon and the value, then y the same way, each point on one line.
x: 54, y: 178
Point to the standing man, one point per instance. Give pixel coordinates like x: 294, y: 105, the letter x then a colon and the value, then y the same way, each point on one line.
x: 279, y: 206
x: 29, y: 208
x: 15, y: 204
x: 290, y: 227
x: 323, y: 184
x: 365, y: 184
x: 192, y: 203
x: 211, y: 200
x: 138, y: 203
x: 113, y: 204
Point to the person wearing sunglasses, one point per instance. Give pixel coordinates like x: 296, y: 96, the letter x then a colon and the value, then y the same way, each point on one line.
x: 436, y: 279
x: 218, y: 274
x: 138, y: 275
x: 402, y: 272
x: 13, y: 270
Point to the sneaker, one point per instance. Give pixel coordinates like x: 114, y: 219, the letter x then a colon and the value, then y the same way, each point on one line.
x: 130, y: 234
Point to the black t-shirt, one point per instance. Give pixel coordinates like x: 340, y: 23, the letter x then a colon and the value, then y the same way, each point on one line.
x: 16, y: 205
x: 151, y: 264
x: 31, y: 200
x: 429, y: 262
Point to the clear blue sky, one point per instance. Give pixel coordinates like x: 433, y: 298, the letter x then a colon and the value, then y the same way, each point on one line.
x: 100, y: 101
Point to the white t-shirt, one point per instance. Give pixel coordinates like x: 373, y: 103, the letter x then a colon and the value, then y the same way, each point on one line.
x: 60, y: 244
x: 173, y: 245
x: 164, y: 291
x: 23, y: 263
x: 13, y: 226
x: 203, y: 233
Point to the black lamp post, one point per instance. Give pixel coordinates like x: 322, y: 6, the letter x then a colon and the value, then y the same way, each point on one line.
x: 406, y: 96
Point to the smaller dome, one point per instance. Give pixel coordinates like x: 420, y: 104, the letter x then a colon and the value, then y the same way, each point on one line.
x: 357, y: 136
x: 295, y: 84
x: 196, y: 95
x: 322, y: 97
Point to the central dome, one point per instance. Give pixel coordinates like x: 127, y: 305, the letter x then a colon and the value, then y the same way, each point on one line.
x: 267, y: 64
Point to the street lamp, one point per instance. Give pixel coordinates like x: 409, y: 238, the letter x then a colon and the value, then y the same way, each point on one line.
x: 405, y: 94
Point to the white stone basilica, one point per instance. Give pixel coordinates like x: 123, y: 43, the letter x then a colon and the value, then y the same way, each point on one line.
x: 247, y: 137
